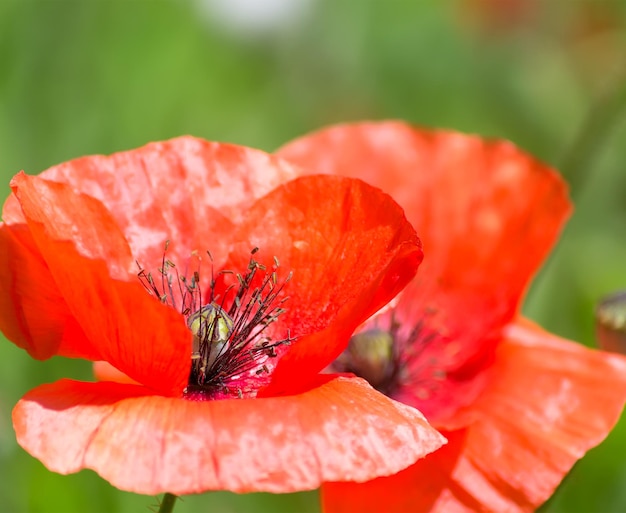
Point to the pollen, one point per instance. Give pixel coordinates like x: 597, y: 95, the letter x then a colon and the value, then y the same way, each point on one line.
x: 234, y: 349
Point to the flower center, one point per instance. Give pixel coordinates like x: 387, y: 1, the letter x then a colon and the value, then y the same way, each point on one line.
x: 370, y: 355
x: 232, y: 353
x: 395, y: 360
x: 211, y: 327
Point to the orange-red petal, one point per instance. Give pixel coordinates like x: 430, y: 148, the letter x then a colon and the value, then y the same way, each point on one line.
x: 104, y: 371
x: 486, y: 212
x: 350, y: 249
x: 181, y: 190
x: 88, y: 259
x: 417, y: 488
x: 487, y: 215
x: 333, y: 290
x: 547, y: 404
x: 551, y: 400
x: 341, y: 430
x: 34, y: 314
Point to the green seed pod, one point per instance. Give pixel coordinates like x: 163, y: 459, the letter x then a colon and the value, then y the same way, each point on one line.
x: 370, y: 355
x: 211, y: 327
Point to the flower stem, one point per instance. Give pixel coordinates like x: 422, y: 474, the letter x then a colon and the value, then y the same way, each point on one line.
x: 167, y: 503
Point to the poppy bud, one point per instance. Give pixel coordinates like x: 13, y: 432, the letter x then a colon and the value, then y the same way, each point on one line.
x: 611, y: 322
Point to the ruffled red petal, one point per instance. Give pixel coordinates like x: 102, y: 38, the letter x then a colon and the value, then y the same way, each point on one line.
x: 34, y: 314
x: 418, y: 488
x: 547, y: 404
x: 104, y: 371
x: 345, y: 219
x: 486, y: 212
x: 181, y: 190
x: 148, y: 444
x: 85, y: 253
x: 549, y: 400
x: 350, y: 249
x: 487, y: 215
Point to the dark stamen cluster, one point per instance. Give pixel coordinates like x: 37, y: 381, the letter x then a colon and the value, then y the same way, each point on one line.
x: 390, y: 361
x: 416, y: 369
x: 230, y: 342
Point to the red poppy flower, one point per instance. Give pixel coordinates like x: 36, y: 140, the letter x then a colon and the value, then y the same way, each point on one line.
x: 518, y: 405
x: 254, y: 339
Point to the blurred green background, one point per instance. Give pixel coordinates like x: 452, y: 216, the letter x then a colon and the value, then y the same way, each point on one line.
x: 101, y: 76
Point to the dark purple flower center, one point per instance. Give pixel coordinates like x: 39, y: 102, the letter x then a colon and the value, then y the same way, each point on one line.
x: 396, y: 359
x: 232, y: 352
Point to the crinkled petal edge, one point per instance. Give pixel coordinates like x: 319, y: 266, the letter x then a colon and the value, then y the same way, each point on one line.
x: 342, y: 430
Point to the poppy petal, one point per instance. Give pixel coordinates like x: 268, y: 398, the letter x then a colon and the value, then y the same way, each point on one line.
x: 350, y: 249
x: 417, y: 488
x: 12, y: 212
x: 104, y: 371
x: 180, y: 190
x: 149, y: 444
x: 66, y: 215
x: 88, y: 258
x: 547, y: 404
x: 34, y: 314
x: 486, y: 212
x: 549, y: 400
x: 487, y: 215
